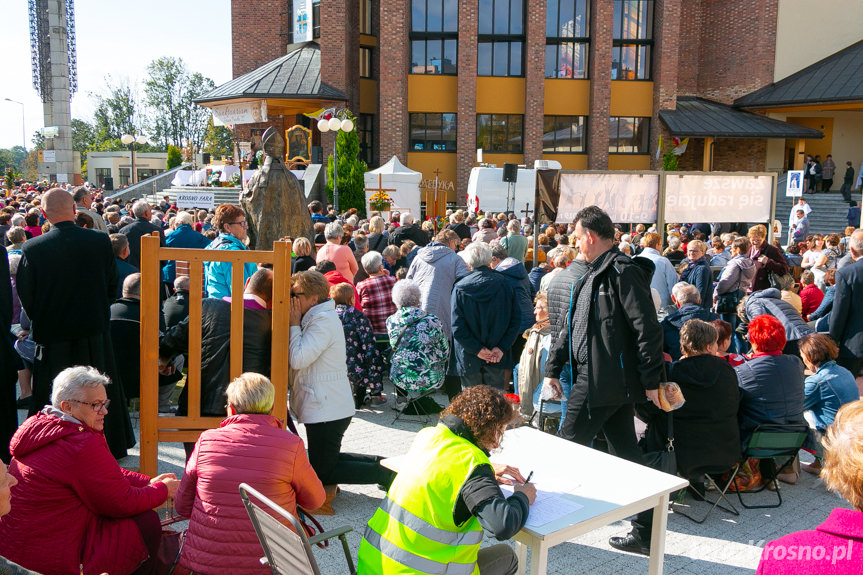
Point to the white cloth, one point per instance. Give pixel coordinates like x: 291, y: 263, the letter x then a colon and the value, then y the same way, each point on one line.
x: 320, y: 391
x: 228, y: 172
x: 183, y: 178
x: 792, y: 218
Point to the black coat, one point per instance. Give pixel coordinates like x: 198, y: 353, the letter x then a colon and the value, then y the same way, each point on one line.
x: 412, y: 233
x: 126, y: 340
x: 462, y: 230
x: 134, y: 231
x: 8, y: 361
x: 706, y: 433
x: 624, y: 337
x: 846, y: 321
x: 66, y: 281
x: 176, y: 308
x: 673, y: 322
x: 216, y: 350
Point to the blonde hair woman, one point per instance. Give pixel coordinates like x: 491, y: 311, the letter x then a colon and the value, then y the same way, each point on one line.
x: 303, y: 251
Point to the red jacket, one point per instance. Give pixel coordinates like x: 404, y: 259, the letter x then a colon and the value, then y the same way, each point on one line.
x: 834, y: 548
x: 335, y: 278
x: 810, y: 297
x: 247, y: 448
x: 73, y: 504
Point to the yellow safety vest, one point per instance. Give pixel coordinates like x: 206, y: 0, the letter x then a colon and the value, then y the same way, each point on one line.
x: 413, y: 530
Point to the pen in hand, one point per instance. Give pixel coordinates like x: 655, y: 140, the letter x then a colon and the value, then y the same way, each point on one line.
x: 529, y: 475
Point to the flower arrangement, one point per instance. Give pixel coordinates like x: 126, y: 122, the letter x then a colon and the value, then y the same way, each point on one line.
x: 213, y: 182
x: 235, y: 179
x: 380, y: 201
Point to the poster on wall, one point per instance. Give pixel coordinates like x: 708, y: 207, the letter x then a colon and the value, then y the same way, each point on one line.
x: 625, y: 197
x: 240, y: 113
x: 720, y: 198
x: 302, y: 20
x: 794, y: 184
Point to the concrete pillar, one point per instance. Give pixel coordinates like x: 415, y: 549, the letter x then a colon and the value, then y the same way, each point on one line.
x: 56, y: 104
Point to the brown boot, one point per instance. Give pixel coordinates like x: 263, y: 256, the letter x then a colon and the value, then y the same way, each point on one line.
x: 327, y: 507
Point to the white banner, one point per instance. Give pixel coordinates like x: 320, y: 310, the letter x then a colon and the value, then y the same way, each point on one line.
x: 303, y: 21
x: 240, y: 113
x: 49, y: 156
x: 205, y: 200
x: 717, y: 199
x: 794, y: 184
x: 625, y: 197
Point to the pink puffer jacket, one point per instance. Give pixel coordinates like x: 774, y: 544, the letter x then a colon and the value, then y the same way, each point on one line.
x: 247, y: 448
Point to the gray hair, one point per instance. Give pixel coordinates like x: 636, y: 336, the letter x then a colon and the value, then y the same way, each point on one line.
x: 406, y: 293
x: 499, y: 252
x: 855, y: 244
x: 372, y: 262
x: 16, y: 235
x: 685, y: 293
x: 334, y: 231
x: 476, y: 255
x: 17, y: 220
x: 140, y: 208
x: 184, y: 218
x: 361, y: 243
x: 69, y: 383
x: 182, y: 283
x: 251, y: 393
x: 406, y: 219
x: 674, y: 242
x: 513, y: 226
x: 132, y: 285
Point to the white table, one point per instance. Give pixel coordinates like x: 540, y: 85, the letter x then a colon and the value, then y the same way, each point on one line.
x: 609, y: 489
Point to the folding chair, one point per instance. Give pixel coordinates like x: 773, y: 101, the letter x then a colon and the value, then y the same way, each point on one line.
x: 779, y: 444
x: 286, y: 551
x: 677, y: 504
x: 415, y: 401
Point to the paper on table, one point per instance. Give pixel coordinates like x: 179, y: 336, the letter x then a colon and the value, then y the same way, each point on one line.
x: 548, y: 506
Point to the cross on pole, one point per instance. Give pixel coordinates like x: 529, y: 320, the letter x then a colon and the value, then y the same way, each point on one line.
x: 436, y: 174
x: 527, y: 211
x: 381, y: 188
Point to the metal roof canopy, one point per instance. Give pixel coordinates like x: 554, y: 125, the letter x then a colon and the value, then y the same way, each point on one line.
x: 700, y: 118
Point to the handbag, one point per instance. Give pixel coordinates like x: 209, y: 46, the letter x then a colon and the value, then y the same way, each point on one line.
x: 727, y: 302
x: 171, y: 543
x: 666, y: 459
x: 304, y: 517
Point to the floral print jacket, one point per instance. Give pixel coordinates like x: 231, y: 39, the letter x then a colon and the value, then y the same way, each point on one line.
x: 365, y: 365
x: 420, y: 349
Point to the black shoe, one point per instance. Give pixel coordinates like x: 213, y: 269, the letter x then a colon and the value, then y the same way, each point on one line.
x: 630, y: 543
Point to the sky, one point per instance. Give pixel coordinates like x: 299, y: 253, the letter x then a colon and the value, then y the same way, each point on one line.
x: 116, y: 38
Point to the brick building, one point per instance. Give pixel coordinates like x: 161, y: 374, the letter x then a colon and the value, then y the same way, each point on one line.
x: 582, y: 82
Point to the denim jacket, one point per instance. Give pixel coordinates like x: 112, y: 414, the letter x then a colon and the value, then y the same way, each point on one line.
x: 828, y: 389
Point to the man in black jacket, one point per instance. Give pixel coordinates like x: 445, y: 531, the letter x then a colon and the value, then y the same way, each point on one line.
x: 407, y: 230
x: 846, y: 320
x: 847, y: 182
x: 176, y: 307
x: 140, y: 227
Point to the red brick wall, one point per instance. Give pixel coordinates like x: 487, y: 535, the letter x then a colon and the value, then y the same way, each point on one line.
x: 666, y: 31
x: 601, y: 32
x: 468, y: 26
x: 394, y: 49
x: 729, y: 155
x: 340, y: 48
x: 689, y: 45
x: 534, y: 69
x: 257, y: 29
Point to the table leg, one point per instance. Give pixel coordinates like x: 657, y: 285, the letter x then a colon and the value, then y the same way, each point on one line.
x: 521, y: 554
x: 657, y: 536
x: 538, y: 558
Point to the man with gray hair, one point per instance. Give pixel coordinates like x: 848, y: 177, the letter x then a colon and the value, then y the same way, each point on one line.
x: 140, y: 227
x: 687, y: 298
x: 408, y: 230
x: 361, y: 247
x: 83, y: 200
x: 514, y: 243
x: 846, y: 319
x: 485, y: 321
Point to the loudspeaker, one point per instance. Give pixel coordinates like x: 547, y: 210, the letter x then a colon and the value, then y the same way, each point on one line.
x: 510, y: 172
x: 205, y: 158
x: 108, y: 185
x: 317, y: 154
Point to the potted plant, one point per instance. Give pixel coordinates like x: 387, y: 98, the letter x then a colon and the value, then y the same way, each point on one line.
x: 380, y: 202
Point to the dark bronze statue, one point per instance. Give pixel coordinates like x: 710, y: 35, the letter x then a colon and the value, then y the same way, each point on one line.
x: 275, y: 203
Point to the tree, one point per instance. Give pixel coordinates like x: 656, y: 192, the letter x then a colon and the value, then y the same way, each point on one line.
x: 175, y: 157
x: 118, y: 112
x: 351, y: 170
x: 218, y: 140
x: 83, y: 135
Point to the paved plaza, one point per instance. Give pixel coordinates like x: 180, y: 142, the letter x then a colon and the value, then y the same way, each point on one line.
x: 724, y: 545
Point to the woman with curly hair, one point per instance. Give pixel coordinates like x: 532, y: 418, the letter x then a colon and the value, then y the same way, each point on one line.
x: 448, y: 490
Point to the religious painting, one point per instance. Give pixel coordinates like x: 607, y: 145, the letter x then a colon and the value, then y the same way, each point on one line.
x: 299, y: 144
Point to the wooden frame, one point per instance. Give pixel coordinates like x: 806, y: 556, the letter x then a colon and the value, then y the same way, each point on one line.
x: 155, y: 429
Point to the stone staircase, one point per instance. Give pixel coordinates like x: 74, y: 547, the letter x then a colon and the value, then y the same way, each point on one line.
x: 828, y: 210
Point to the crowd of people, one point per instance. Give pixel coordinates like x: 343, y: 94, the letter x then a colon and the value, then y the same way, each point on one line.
x: 753, y: 332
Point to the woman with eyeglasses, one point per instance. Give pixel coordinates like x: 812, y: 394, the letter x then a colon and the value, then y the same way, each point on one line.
x: 230, y: 221
x: 75, y: 509
x: 697, y: 271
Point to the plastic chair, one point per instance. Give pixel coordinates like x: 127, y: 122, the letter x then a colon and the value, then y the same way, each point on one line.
x: 778, y: 443
x: 287, y: 551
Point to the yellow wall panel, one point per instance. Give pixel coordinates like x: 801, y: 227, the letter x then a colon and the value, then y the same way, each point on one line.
x: 567, y: 97
x: 427, y: 163
x: 368, y: 96
x: 432, y: 93
x: 630, y: 98
x: 569, y: 161
x: 628, y: 162
x: 499, y: 95
x: 500, y: 159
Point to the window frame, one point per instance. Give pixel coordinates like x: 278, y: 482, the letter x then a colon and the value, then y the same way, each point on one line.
x: 366, y: 54
x: 508, y: 38
x: 425, y: 36
x: 366, y: 126
x: 509, y: 134
x: 558, y: 41
x: 584, y: 128
x: 430, y: 142
x: 366, y: 20
x: 637, y: 43
x: 316, y: 19
x: 634, y: 134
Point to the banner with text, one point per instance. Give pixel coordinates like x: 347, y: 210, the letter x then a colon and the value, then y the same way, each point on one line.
x: 240, y: 113
x: 204, y: 200
x: 625, y: 197
x: 719, y: 198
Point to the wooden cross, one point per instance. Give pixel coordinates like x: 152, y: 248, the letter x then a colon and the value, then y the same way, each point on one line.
x: 380, y: 187
x: 527, y: 211
x: 436, y: 174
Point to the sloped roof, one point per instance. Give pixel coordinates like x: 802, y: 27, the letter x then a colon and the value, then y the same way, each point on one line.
x: 296, y: 75
x: 699, y: 118
x: 394, y: 166
x: 836, y: 78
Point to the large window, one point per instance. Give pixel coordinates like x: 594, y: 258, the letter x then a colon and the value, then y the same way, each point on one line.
x: 566, y: 38
x: 366, y: 135
x: 501, y: 38
x: 365, y: 16
x: 633, y: 39
x: 316, y: 18
x: 433, y: 132
x: 564, y: 134
x: 365, y: 62
x: 629, y: 135
x: 500, y: 133
x: 434, y: 37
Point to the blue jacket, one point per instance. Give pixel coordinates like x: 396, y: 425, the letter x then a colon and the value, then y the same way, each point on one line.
x: 515, y: 274
x: 770, y: 301
x: 828, y: 389
x: 485, y: 314
x: 826, y: 304
x: 183, y: 237
x: 771, y: 391
x: 699, y: 274
x: 219, y: 273
x: 534, y: 276
x: 671, y: 326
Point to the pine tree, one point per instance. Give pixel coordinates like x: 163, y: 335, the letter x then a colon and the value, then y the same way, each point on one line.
x: 351, y: 170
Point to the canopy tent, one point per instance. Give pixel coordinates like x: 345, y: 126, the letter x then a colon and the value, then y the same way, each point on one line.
x: 401, y: 184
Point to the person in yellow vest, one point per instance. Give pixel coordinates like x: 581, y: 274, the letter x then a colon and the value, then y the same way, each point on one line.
x: 446, y: 493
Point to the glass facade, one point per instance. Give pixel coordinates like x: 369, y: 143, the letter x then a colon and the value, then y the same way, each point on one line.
x: 434, y: 37
x: 564, y: 135
x: 567, y: 38
x: 629, y: 135
x: 433, y: 132
x: 500, y: 48
x: 500, y: 133
x: 633, y: 39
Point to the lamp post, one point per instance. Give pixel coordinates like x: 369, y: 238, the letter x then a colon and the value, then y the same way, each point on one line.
x: 130, y: 140
x: 335, y: 125
x: 23, y: 128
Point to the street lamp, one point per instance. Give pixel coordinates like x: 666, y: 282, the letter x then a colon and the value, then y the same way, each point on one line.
x: 23, y: 129
x: 130, y: 140
x: 335, y: 125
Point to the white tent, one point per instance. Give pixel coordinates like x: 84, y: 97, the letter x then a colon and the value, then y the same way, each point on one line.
x: 402, y: 182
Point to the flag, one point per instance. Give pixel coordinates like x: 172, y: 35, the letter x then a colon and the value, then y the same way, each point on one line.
x: 659, y: 148
x: 681, y: 148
